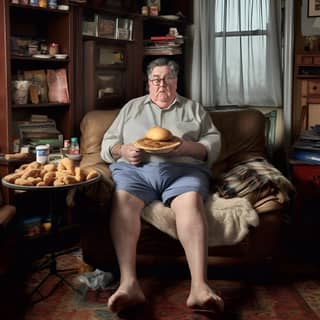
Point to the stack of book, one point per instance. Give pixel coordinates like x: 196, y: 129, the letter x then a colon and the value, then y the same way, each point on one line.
x: 163, y: 45
x: 37, y: 131
x: 307, y: 147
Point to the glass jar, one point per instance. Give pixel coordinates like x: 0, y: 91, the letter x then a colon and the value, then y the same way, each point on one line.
x: 74, y: 146
x: 43, y: 3
x: 53, y: 48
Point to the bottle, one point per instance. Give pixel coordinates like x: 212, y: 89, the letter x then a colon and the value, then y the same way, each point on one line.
x: 74, y: 146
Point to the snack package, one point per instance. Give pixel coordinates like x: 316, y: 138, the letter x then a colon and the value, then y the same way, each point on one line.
x: 58, y: 85
x: 39, y: 87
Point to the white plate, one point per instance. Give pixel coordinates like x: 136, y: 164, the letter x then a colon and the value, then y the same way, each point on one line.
x: 75, y: 157
x: 42, y: 56
x: 61, y: 56
x: 170, y: 17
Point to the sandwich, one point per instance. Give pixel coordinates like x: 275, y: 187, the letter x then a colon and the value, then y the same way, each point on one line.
x: 158, y: 140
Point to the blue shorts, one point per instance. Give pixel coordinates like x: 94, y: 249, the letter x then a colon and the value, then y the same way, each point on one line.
x: 161, y: 180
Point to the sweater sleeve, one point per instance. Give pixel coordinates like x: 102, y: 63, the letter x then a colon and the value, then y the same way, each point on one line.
x: 112, y: 137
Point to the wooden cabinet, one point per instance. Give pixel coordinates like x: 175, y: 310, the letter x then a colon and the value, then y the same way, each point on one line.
x: 111, y: 43
x: 25, y: 34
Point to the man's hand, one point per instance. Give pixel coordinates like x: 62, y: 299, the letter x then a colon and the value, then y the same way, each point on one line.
x: 191, y: 149
x: 132, y: 154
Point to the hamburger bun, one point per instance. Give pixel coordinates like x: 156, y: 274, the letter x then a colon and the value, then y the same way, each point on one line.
x: 159, y: 134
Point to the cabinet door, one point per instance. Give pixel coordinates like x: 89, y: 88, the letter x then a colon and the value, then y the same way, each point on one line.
x: 104, y: 73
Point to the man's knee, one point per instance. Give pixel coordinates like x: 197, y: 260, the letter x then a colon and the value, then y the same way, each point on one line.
x: 122, y: 198
x: 187, y: 200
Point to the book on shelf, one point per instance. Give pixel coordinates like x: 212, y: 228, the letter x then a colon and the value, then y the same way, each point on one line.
x: 163, y: 45
x: 162, y: 51
x: 307, y: 147
x: 58, y: 86
x: 307, y: 156
x: 162, y: 38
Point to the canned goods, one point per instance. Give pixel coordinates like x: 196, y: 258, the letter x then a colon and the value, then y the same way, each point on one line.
x: 153, y: 11
x: 43, y: 3
x: 145, y: 10
x: 52, y: 4
x: 34, y: 3
x: 42, y: 153
x: 66, y: 144
x: 53, y: 48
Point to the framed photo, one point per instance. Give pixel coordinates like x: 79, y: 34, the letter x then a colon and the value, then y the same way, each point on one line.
x: 124, y: 28
x: 107, y: 27
x: 313, y: 8
x: 154, y: 3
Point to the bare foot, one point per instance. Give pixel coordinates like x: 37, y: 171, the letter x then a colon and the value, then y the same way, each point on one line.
x: 203, y: 298
x: 126, y: 296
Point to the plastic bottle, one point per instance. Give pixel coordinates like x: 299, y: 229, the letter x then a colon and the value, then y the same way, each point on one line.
x: 74, y: 146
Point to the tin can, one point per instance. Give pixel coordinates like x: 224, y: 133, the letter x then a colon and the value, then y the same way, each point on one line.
x: 66, y: 144
x: 34, y: 3
x: 53, y: 48
x: 145, y: 10
x: 153, y: 11
x: 53, y: 4
x: 42, y: 153
x: 43, y: 3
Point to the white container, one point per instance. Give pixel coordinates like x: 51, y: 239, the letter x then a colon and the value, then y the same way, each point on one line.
x: 20, y: 91
x: 42, y: 153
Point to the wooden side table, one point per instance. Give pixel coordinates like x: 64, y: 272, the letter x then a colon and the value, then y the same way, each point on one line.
x: 56, y: 216
x: 306, y: 215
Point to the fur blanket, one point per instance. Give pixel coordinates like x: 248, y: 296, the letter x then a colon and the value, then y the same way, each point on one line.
x: 228, y: 219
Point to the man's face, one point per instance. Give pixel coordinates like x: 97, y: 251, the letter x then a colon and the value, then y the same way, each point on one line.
x: 162, y: 86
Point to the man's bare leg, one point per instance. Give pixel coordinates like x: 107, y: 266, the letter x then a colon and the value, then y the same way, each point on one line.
x: 192, y: 232
x: 125, y: 228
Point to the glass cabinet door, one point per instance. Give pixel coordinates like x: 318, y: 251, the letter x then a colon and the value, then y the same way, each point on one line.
x: 110, y: 56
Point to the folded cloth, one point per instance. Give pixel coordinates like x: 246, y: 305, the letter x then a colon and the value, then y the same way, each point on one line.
x: 228, y: 219
x: 254, y: 179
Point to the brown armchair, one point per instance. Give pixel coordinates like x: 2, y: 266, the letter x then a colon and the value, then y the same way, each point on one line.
x: 243, y: 140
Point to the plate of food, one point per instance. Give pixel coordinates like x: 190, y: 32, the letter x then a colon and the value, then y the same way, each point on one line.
x: 158, y: 140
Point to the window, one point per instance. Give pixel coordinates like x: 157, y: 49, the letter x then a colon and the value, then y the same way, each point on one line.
x: 244, y: 67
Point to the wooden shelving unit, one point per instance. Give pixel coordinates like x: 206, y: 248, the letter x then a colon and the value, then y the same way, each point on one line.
x: 24, y: 22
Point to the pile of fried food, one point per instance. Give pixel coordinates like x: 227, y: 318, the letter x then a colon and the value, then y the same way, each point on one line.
x: 51, y: 174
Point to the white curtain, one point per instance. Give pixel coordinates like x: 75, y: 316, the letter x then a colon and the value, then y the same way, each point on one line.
x: 236, y: 57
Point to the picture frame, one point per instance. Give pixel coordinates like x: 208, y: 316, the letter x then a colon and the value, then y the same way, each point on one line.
x: 154, y: 3
x: 313, y: 8
x: 107, y: 27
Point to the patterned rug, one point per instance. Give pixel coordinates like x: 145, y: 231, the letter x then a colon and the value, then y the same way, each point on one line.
x: 247, y: 300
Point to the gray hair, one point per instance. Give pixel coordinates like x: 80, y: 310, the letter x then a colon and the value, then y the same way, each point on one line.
x: 163, y: 62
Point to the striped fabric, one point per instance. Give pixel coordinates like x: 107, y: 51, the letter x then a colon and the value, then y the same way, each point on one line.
x: 254, y: 176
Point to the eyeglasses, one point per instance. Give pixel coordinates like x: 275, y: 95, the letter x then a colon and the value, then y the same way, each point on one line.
x: 166, y: 80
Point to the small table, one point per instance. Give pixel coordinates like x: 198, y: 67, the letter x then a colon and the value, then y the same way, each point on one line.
x: 52, y: 263
x: 305, y: 219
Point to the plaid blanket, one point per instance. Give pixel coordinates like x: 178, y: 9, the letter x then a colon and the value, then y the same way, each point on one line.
x: 254, y: 177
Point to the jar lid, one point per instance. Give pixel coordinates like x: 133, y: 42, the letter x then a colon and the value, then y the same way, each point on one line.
x: 42, y: 147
